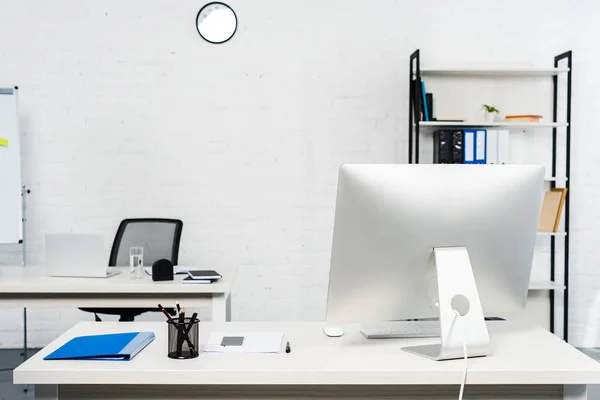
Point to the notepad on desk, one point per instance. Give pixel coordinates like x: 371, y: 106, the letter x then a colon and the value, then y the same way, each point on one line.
x: 205, y: 275
x: 244, y: 342
x: 112, y: 347
x: 202, y: 277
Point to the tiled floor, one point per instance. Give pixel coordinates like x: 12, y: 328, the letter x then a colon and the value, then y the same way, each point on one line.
x: 10, y: 359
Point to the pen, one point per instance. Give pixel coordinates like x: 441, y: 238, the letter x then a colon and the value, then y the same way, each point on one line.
x: 178, y: 308
x: 288, y: 349
x: 180, y: 328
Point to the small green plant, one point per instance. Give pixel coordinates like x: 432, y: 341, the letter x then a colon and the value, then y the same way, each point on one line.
x: 490, y: 109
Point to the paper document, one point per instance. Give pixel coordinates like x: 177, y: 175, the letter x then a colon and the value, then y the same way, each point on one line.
x: 255, y: 342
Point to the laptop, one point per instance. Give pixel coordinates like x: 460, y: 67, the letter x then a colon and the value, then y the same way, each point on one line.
x: 76, y: 255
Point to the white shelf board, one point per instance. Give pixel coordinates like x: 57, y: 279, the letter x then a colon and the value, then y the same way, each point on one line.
x: 492, y: 71
x: 436, y: 124
x: 545, y: 285
x: 556, y: 178
x: 552, y: 234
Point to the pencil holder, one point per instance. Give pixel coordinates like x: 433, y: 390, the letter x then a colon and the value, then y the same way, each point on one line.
x: 183, y: 339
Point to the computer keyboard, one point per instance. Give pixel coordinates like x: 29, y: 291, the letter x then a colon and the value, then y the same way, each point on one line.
x: 403, y: 330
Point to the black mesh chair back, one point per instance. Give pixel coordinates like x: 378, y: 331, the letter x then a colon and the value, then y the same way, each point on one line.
x: 158, y: 237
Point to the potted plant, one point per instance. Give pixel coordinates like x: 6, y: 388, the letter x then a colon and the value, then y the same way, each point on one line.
x: 490, y: 112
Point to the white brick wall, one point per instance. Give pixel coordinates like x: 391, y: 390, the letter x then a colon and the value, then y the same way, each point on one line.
x: 126, y: 112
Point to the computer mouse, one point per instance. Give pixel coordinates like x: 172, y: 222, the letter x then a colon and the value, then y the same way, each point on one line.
x: 333, y: 331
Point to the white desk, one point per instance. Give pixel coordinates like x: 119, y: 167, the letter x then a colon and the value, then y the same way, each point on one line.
x: 527, y: 363
x: 30, y: 287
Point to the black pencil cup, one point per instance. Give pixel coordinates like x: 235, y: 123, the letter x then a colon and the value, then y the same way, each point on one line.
x: 183, y: 339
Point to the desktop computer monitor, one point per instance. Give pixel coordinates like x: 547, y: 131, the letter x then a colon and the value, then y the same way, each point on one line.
x: 391, y: 219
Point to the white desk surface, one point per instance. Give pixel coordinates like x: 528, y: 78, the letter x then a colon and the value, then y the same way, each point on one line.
x: 522, y: 354
x: 33, y: 279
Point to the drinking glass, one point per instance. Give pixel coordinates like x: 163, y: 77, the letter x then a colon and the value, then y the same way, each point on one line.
x: 136, y: 262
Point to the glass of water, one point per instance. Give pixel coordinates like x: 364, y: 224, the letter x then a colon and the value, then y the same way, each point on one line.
x: 136, y: 262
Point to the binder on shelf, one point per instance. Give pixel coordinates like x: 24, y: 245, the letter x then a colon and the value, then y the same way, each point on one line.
x: 503, y: 147
x: 417, y: 103
x: 458, y: 151
x: 429, y: 101
x: 480, y: 146
x: 469, y: 146
x: 551, y: 212
x: 442, y: 147
x: 492, y: 146
x: 424, y: 99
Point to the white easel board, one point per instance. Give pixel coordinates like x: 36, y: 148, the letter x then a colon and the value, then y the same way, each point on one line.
x: 11, y: 225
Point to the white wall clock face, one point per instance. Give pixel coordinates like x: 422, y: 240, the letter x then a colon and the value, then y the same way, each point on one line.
x: 216, y: 22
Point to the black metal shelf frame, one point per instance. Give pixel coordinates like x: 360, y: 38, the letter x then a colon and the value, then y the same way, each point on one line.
x: 568, y: 57
x: 413, y: 158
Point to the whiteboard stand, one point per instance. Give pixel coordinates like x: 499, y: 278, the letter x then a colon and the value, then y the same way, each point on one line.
x: 24, y: 193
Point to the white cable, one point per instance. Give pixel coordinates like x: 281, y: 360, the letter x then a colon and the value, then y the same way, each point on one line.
x: 464, y: 343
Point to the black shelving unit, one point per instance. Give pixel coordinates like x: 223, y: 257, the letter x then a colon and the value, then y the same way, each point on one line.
x: 563, y: 63
x: 561, y: 58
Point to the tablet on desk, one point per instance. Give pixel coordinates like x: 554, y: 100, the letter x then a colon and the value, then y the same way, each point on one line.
x: 205, y: 275
x: 188, y: 279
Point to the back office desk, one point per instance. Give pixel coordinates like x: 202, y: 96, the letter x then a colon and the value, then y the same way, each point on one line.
x: 30, y: 287
x: 527, y: 363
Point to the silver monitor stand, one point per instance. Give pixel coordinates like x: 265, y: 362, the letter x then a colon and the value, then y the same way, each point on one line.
x: 461, y: 314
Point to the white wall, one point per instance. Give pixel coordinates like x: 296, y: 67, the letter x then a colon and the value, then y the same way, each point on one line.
x: 585, y: 252
x: 126, y: 112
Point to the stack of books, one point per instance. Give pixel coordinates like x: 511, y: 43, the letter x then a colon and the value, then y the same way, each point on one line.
x: 422, y: 102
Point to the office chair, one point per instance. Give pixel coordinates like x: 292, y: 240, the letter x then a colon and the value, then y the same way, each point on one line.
x: 160, y: 239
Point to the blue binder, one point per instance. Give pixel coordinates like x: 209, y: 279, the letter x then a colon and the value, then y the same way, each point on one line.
x: 425, y: 105
x: 469, y: 143
x: 481, y: 146
x: 117, y: 346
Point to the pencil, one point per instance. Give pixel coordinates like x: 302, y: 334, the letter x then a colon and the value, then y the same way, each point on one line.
x: 180, y: 327
x: 193, y: 351
x: 191, y: 323
x: 161, y: 308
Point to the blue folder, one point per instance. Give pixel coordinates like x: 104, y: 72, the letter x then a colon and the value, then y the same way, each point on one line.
x: 116, y: 346
x: 480, y: 146
x: 469, y: 146
x: 425, y: 105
